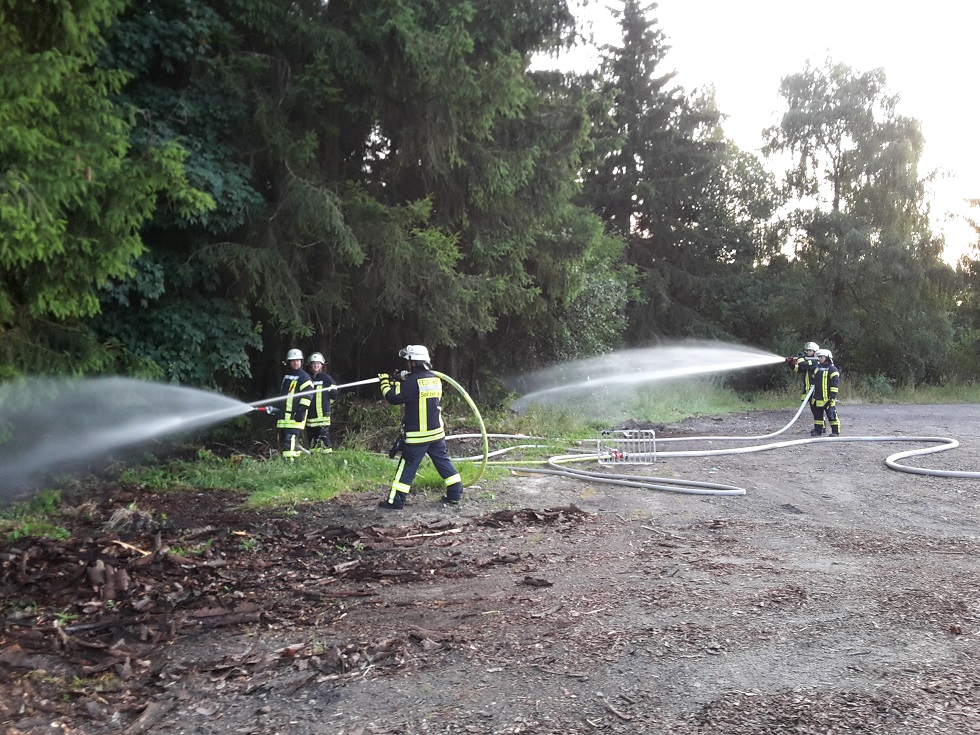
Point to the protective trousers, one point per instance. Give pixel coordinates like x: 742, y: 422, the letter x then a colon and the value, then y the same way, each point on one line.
x: 319, y: 438
x: 408, y: 466
x: 818, y: 409
x: 289, y: 439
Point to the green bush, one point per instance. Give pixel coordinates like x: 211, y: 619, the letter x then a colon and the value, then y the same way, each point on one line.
x: 872, y: 388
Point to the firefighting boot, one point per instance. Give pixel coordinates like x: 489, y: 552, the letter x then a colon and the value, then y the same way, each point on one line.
x: 454, y: 493
x: 394, y: 501
x: 817, y: 431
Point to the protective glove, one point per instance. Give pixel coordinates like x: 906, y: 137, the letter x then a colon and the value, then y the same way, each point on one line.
x: 396, y: 447
x: 832, y: 402
x: 299, y: 415
x: 333, y: 391
x: 384, y: 377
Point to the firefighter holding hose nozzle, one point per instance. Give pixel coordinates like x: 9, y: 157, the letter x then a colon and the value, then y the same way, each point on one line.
x: 420, y: 392
x: 293, y: 420
x: 804, y: 364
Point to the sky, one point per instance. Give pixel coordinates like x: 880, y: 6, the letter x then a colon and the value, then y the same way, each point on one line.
x: 927, y: 50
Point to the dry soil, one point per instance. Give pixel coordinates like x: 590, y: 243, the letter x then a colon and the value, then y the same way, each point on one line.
x: 836, y: 596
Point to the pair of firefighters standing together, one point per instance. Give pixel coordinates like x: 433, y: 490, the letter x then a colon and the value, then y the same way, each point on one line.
x: 418, y: 389
x: 308, y: 397
x: 817, y: 367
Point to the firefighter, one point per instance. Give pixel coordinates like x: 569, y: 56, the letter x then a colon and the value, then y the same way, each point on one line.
x: 420, y: 392
x: 318, y: 419
x: 826, y: 381
x: 296, y: 380
x: 804, y: 364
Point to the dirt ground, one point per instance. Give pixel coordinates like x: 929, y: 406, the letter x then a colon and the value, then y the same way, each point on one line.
x: 836, y: 596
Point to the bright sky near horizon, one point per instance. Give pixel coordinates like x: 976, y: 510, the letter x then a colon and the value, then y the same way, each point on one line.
x: 927, y: 50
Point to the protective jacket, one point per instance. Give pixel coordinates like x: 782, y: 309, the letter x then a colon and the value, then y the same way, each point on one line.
x: 805, y: 366
x: 420, y: 391
x: 826, y: 381
x: 319, y: 414
x: 295, y: 408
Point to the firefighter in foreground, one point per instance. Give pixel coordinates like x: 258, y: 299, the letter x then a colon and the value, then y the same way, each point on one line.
x: 804, y: 364
x: 295, y: 380
x: 826, y: 380
x: 318, y: 419
x: 420, y: 392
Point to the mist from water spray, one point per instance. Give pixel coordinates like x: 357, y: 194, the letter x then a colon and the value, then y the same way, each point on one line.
x: 58, y: 425
x: 626, y: 369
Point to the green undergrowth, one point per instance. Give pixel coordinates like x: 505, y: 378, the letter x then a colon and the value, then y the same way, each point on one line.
x: 36, y: 517
x: 933, y: 394
x: 278, y: 482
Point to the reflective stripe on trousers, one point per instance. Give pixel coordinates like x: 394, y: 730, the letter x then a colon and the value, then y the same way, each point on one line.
x: 408, y: 466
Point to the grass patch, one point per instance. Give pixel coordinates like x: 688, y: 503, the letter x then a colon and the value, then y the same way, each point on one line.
x: 33, y: 518
x: 278, y: 482
x: 938, y: 394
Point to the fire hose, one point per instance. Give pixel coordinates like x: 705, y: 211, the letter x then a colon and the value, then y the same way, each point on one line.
x: 555, y: 463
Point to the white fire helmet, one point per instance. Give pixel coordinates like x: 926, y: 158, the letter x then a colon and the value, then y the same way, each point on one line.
x: 825, y: 353
x: 317, y: 357
x: 294, y: 354
x: 811, y: 346
x: 416, y: 353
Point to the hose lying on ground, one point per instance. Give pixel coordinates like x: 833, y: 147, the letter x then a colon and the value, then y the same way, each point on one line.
x: 554, y: 464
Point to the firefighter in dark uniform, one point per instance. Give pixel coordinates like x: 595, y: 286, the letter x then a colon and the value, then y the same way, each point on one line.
x: 420, y: 392
x: 804, y: 364
x: 318, y: 418
x: 296, y: 380
x: 826, y: 381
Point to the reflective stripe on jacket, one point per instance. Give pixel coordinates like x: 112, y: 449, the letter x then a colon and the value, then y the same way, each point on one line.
x: 320, y: 407
x: 295, y: 381
x: 421, y: 393
x: 826, y: 381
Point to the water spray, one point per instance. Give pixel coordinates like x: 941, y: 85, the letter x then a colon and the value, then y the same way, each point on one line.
x: 625, y: 369
x: 62, y: 424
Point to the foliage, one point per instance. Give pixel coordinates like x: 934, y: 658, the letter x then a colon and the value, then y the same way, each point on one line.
x: 878, y: 281
x: 74, y: 193
x: 964, y: 354
x: 168, y: 315
x: 495, y: 150
x: 188, y: 188
x: 689, y: 205
x: 33, y: 518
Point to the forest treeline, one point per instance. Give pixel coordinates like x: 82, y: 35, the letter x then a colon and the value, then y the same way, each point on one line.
x: 190, y: 187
